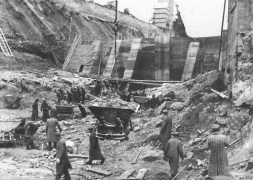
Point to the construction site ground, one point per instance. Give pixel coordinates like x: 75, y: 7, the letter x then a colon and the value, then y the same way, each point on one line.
x: 19, y: 163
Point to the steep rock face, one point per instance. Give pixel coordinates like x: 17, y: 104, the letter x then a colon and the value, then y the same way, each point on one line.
x: 41, y: 26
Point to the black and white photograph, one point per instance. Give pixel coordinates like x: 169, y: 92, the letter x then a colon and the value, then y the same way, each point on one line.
x: 126, y: 89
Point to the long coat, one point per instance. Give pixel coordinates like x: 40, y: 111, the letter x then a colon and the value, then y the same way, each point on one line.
x: 165, y: 131
x: 94, y: 152
x: 218, y: 161
x: 173, y: 150
x: 61, y: 154
x: 51, y: 129
x: 45, y: 109
x: 35, y: 112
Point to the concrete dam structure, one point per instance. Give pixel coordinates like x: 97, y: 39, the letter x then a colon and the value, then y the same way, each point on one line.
x: 160, y: 58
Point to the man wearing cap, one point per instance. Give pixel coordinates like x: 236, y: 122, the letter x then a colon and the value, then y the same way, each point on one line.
x: 174, y: 149
x: 30, y: 130
x: 45, y: 110
x: 218, y: 160
x: 62, y: 159
x: 165, y: 131
x: 94, y: 152
x: 35, y: 111
x: 51, y: 129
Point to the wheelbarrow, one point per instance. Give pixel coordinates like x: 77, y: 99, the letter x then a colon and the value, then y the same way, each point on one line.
x: 13, y: 101
x: 65, y: 111
x: 107, y: 127
x: 141, y: 100
x: 7, y: 131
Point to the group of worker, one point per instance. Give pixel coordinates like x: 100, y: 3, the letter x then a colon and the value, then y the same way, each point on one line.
x: 45, y: 108
x: 75, y: 95
x: 173, y: 148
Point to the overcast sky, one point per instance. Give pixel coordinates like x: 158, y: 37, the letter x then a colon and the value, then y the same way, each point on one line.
x: 202, y: 18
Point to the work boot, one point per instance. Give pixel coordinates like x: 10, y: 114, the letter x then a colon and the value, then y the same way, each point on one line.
x: 102, y: 161
x: 89, y: 162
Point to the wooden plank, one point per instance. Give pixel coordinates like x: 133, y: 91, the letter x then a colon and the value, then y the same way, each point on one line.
x: 111, y: 60
x: 71, y: 51
x: 190, y: 61
x: 78, y: 156
x: 126, y: 174
x: 136, y: 45
x: 141, y: 174
x: 99, y: 171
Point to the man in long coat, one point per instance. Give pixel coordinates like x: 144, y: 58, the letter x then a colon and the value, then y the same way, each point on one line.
x: 51, y: 129
x: 174, y: 150
x: 59, y: 97
x: 165, y: 131
x: 35, y: 110
x: 83, y: 94
x: 62, y: 160
x: 45, y: 110
x: 30, y: 130
x: 218, y: 160
x: 94, y: 152
x: 70, y: 97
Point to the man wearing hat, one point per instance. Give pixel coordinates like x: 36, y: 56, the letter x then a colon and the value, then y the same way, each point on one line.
x: 30, y: 130
x: 35, y: 110
x: 51, y: 129
x: 218, y: 160
x: 173, y: 150
x: 165, y: 131
x: 94, y: 152
x: 62, y: 159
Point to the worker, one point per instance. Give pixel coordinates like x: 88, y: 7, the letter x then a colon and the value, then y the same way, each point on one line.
x: 174, y: 150
x: 20, y: 129
x: 75, y: 96
x: 30, y: 130
x: 94, y: 151
x: 51, y: 129
x: 59, y: 97
x: 62, y: 93
x: 83, y: 95
x: 70, y: 97
x: 45, y: 110
x: 218, y: 160
x: 62, y: 159
x: 165, y: 131
x: 35, y: 110
x: 83, y: 111
x: 79, y: 95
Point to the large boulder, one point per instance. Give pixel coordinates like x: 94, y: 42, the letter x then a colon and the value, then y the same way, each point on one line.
x: 2, y: 85
x: 152, y: 137
x: 177, y: 106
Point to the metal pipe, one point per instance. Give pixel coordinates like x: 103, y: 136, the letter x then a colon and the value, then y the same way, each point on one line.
x: 225, y: 2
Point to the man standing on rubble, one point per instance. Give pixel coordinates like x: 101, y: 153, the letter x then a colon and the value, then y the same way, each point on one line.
x: 30, y: 130
x: 218, y: 160
x: 174, y: 150
x: 51, y: 129
x: 83, y: 95
x: 70, y: 97
x: 45, y: 111
x: 94, y: 152
x: 59, y: 97
x: 35, y: 111
x: 165, y: 131
x: 62, y: 159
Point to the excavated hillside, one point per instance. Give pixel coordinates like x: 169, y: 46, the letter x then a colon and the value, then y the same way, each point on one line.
x: 41, y: 27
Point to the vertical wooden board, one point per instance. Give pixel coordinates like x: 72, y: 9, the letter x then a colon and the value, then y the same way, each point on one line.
x: 190, y: 60
x: 111, y: 60
x: 96, y: 57
x: 135, y: 47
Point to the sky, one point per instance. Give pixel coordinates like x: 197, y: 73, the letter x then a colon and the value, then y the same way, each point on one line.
x: 202, y: 18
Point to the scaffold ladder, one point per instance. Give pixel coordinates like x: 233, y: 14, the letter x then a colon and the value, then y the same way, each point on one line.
x: 4, y: 45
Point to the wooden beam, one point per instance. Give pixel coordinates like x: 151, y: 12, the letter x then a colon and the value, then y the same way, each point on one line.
x: 126, y: 174
x: 78, y: 156
x: 141, y: 174
x: 99, y: 171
